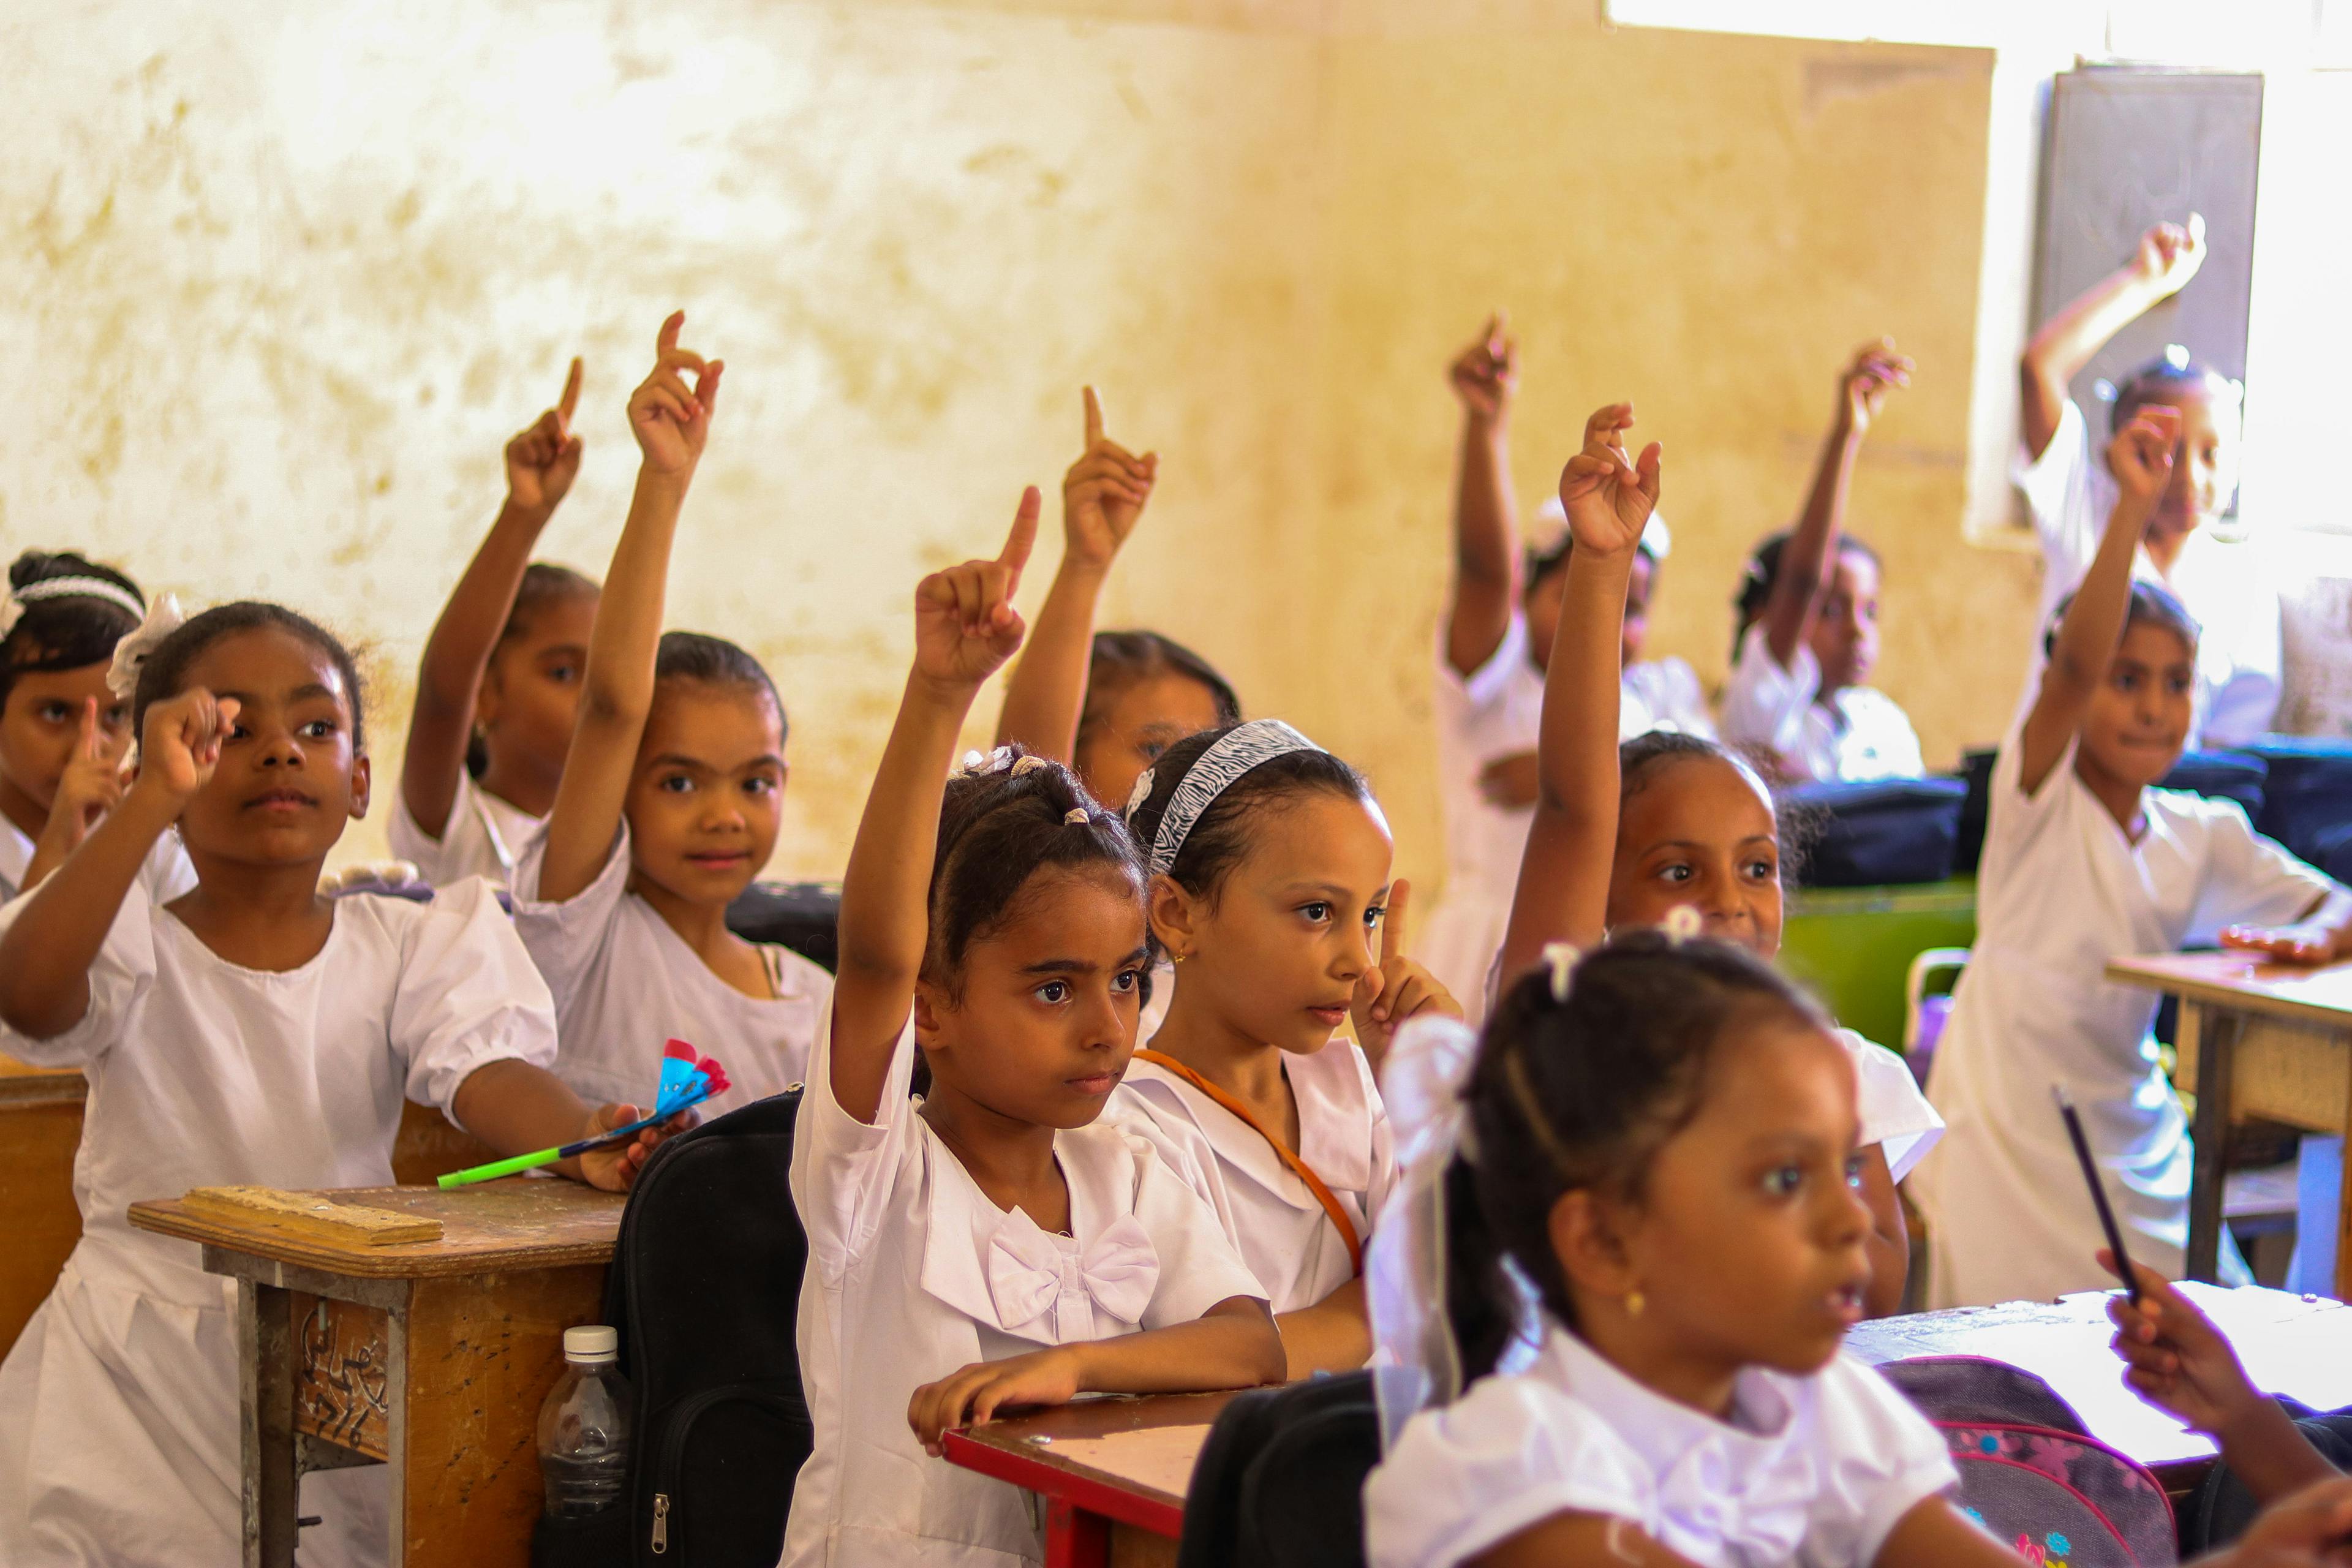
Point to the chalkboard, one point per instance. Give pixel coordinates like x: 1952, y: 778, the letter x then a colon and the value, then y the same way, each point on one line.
x: 2127, y: 147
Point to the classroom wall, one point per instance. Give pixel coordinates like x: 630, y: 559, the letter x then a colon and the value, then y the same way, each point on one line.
x: 289, y: 275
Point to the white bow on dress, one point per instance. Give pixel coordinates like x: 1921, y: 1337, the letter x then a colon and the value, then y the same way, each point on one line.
x: 1031, y: 1273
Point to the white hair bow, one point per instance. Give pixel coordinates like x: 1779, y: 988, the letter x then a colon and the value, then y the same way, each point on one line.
x: 163, y: 618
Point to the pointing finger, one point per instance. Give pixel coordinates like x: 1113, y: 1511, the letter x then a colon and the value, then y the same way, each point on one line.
x: 1017, y: 544
x: 666, y: 339
x: 1392, y: 925
x: 1094, y: 416
x: 571, y: 398
x: 91, y: 747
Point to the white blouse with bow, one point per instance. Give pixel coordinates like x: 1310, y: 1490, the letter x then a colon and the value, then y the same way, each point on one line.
x: 914, y: 1273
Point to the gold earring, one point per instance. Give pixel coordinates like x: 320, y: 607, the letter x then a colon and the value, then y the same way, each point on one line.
x: 1636, y: 1301
x: 1175, y: 958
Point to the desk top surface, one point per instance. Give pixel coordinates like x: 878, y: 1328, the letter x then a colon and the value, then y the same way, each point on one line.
x: 1102, y: 1453
x: 23, y: 1085
x: 496, y: 1226
x: 2243, y: 980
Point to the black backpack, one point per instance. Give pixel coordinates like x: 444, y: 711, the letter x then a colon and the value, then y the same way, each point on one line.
x: 1882, y: 832
x: 705, y: 1289
x: 1280, y: 1481
x: 2307, y: 795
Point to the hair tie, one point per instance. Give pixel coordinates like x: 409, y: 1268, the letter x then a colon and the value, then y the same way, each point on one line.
x: 1561, y: 958
x: 1077, y: 816
x: 161, y: 620
x: 976, y: 763
x: 1214, y: 771
x: 12, y: 605
x: 1029, y: 764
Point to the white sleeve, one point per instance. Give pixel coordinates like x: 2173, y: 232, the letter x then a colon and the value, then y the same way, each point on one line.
x: 845, y: 1171
x: 1384, y: 1163
x: 124, y: 967
x: 2249, y: 879
x: 1765, y: 702
x: 1199, y: 1264
x: 1894, y: 1115
x: 2014, y: 820
x: 1509, y: 1454
x: 1683, y: 699
x: 1181, y: 1146
x: 570, y: 941
x: 467, y: 995
x: 169, y: 873
x: 1484, y: 686
x: 1896, y: 741
x: 1880, y: 1459
x: 2057, y: 491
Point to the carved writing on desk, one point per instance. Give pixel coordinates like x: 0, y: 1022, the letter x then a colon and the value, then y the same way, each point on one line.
x: 343, y: 1385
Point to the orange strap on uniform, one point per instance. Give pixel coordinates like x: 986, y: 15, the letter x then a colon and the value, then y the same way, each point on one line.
x: 1299, y: 1167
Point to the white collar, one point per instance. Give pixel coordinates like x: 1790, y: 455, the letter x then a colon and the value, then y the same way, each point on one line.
x: 1337, y: 1105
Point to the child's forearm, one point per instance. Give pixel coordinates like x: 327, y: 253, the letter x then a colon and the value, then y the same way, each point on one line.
x: 2067, y: 342
x: 1486, y: 543
x: 45, y: 954
x: 1332, y: 1335
x: 1234, y: 1345
x: 2085, y: 645
x: 450, y: 676
x: 2270, y: 1452
x: 1046, y: 694
x: 1808, y: 561
x: 517, y: 1108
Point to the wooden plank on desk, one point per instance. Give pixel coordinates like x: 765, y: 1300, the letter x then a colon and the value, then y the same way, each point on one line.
x: 512, y: 1225
x: 319, y: 1216
x: 2245, y: 983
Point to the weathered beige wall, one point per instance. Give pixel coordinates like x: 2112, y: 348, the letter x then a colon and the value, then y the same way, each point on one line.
x: 283, y: 276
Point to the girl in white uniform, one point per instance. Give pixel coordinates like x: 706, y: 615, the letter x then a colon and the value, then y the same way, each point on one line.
x: 1809, y: 621
x: 251, y: 1031
x: 2084, y: 862
x: 985, y: 1240
x: 1661, y: 1140
x: 667, y: 809
x: 1671, y: 823
x: 62, y: 730
x: 1270, y: 868
x: 500, y: 684
x: 1498, y: 636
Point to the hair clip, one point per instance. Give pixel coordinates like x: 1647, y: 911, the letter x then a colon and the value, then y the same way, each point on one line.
x: 1683, y: 922
x: 1142, y: 790
x: 1077, y: 816
x: 163, y: 618
x: 2176, y: 356
x: 1029, y: 765
x: 1561, y: 958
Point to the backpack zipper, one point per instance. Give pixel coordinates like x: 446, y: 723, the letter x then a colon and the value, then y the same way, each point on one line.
x: 661, y: 1522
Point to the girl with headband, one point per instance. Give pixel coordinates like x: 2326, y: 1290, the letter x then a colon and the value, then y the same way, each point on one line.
x: 1270, y: 893
x: 63, y: 727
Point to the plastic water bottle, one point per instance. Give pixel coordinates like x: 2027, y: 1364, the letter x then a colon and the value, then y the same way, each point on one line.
x: 583, y: 1427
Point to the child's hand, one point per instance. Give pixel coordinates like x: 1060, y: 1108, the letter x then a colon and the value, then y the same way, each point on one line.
x: 2140, y: 457
x: 2169, y: 255
x: 2177, y: 1360
x: 1875, y: 371
x: 2309, y: 1527
x: 1486, y: 373
x: 1104, y: 493
x: 92, y: 785
x: 1395, y: 988
x: 182, y: 744
x: 1511, y: 780
x: 975, y: 1393
x: 965, y: 625
x: 542, y: 459
x: 2309, y: 942
x: 670, y: 422
x: 615, y: 1168
x: 1608, y: 498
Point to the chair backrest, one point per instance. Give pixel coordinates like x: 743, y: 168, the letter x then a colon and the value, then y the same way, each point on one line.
x: 1280, y: 1481
x: 802, y: 915
x: 2222, y: 775
x: 1887, y: 831
x: 2307, y: 797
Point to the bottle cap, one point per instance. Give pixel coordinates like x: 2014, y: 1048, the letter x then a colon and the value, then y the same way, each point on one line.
x: 594, y: 1342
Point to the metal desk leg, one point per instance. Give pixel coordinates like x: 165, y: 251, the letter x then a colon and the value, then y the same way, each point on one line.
x: 264, y: 1356
x: 1075, y: 1538
x: 2216, y: 1041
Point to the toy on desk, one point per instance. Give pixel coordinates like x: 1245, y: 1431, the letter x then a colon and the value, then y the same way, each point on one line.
x: 2098, y: 1192
x: 688, y: 1078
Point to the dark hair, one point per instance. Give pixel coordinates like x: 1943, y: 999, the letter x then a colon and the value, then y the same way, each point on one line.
x: 164, y: 673
x: 1118, y: 660
x: 2146, y: 384
x: 1642, y: 759
x: 543, y: 583
x: 2149, y: 602
x: 1583, y: 1094
x: 66, y: 632
x: 1764, y: 571
x: 715, y: 661
x: 1220, y: 837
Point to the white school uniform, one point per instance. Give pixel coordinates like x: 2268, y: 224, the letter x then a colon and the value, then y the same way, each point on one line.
x: 914, y: 1273
x: 1813, y: 1470
x: 2230, y: 585
x: 164, y: 877
x: 484, y: 836
x: 626, y: 984
x: 1273, y: 1218
x: 1497, y: 711
x: 1860, y: 733
x: 119, y: 1425
x: 2061, y: 891
x: 1895, y: 1117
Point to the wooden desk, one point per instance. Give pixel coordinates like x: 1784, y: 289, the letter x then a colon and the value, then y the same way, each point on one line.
x: 431, y: 1358
x: 40, y: 1127
x: 2271, y: 1040
x: 1111, y: 1472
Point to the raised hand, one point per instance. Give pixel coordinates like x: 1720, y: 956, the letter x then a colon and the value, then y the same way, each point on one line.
x: 670, y: 420
x: 965, y: 625
x: 1609, y: 497
x: 1104, y: 493
x: 2169, y: 255
x: 2140, y: 457
x: 543, y: 458
x: 1396, y: 988
x: 181, y: 745
x: 1876, y: 369
x: 92, y: 785
x: 1486, y: 373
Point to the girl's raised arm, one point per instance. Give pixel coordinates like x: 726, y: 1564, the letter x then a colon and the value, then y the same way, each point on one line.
x: 1563, y: 890
x: 1485, y: 522
x: 2169, y: 255
x: 1808, y: 561
x: 965, y: 628
x: 2092, y: 627
x: 541, y: 462
x: 671, y: 424
x: 1103, y: 497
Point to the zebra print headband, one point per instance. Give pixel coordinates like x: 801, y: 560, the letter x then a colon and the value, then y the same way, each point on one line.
x: 1215, y: 771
